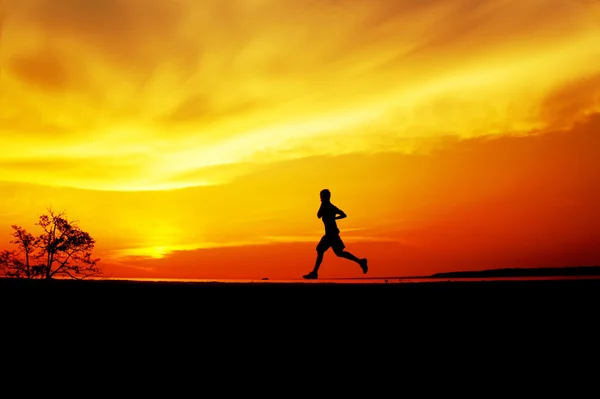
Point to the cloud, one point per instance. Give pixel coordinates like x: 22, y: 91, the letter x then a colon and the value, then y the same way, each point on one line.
x: 202, y: 109
x: 124, y: 31
x: 181, y: 85
x: 572, y: 102
x: 45, y: 70
x: 73, y: 171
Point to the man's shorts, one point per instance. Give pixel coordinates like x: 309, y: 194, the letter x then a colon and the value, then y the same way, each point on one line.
x: 331, y: 241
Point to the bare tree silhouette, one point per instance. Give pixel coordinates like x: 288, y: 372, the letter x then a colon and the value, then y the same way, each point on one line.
x: 62, y: 250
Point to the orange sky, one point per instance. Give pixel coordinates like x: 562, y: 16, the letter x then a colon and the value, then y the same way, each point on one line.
x: 191, y: 139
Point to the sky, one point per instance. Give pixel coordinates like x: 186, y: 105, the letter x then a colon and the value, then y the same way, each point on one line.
x: 191, y: 138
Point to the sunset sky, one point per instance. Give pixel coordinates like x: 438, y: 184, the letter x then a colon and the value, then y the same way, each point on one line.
x: 191, y: 138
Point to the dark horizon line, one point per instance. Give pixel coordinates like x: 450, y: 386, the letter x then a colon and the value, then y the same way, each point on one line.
x: 560, y: 271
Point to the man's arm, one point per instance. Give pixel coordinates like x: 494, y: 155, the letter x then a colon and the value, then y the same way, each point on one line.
x: 340, y: 214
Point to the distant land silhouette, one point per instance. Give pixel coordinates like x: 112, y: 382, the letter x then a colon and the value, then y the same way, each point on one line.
x: 571, y: 271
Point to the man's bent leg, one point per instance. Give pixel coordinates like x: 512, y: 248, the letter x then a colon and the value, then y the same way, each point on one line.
x: 314, y: 274
x: 318, y: 261
x: 348, y: 255
x: 322, y: 246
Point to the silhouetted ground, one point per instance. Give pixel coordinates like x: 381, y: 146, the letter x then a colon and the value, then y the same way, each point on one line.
x: 305, y: 303
x: 306, y: 331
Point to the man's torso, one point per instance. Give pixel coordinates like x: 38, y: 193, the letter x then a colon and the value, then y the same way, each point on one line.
x: 328, y: 213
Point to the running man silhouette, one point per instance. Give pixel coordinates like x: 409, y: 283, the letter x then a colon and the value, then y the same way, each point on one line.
x: 329, y: 213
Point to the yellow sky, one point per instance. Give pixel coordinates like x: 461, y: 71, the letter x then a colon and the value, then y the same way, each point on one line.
x: 152, y: 94
x: 173, y: 125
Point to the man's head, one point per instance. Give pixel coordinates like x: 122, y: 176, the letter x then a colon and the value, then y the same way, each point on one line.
x: 325, y: 195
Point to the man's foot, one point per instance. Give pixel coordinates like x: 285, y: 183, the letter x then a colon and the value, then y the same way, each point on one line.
x: 364, y: 266
x: 311, y: 276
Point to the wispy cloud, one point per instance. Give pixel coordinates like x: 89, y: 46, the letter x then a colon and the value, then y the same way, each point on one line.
x: 143, y: 94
